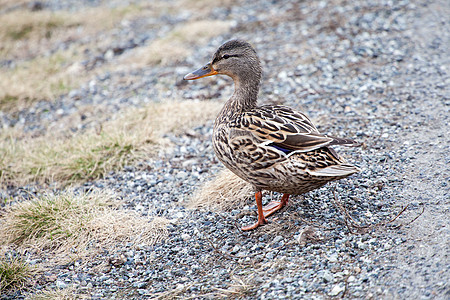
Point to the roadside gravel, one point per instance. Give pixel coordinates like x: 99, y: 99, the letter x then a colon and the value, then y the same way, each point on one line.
x: 377, y: 72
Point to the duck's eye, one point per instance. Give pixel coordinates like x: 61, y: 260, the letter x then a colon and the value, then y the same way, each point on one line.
x: 226, y: 56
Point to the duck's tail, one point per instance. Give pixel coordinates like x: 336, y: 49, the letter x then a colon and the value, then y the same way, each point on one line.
x: 343, y: 142
x: 343, y: 170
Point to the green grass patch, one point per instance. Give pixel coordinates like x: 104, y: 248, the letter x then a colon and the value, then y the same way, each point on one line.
x: 83, y: 157
x: 14, y: 273
x: 52, y: 219
x: 73, y: 225
x: 99, y: 160
x: 67, y: 226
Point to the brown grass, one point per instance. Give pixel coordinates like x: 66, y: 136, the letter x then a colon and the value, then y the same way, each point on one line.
x: 69, y: 226
x: 176, y: 45
x: 240, y: 287
x: 27, y: 33
x: 39, y: 78
x: 68, y: 293
x: 27, y: 36
x: 223, y: 193
x: 14, y: 272
x: 9, y: 3
x: 131, y: 137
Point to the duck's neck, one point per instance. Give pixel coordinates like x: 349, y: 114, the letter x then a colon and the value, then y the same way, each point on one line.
x: 244, y: 98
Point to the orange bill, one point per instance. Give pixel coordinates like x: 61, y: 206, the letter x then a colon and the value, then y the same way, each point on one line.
x: 207, y: 70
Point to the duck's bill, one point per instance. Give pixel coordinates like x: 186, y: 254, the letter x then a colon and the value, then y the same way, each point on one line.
x: 207, y: 70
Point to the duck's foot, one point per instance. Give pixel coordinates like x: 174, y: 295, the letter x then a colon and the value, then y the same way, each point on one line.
x: 255, y: 225
x: 267, y: 210
x: 274, y: 206
x: 261, y: 219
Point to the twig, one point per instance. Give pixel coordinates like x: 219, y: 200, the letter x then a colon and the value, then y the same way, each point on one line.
x: 349, y: 217
x: 354, y: 224
x: 423, y: 209
x: 395, y: 218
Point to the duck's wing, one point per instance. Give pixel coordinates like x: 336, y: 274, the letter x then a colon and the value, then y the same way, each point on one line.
x: 285, y: 129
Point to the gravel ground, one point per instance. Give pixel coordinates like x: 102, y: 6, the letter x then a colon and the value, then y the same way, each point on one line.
x: 377, y: 72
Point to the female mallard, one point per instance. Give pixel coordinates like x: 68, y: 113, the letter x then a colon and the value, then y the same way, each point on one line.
x: 273, y: 147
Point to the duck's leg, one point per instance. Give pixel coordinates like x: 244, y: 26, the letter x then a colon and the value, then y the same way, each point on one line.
x: 275, y: 205
x: 261, y: 218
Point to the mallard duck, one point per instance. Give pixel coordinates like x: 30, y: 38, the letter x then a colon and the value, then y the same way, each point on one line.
x: 273, y: 147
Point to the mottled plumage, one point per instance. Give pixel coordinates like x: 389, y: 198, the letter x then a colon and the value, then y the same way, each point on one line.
x: 273, y: 147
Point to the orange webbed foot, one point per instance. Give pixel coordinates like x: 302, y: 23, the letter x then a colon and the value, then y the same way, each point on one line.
x: 266, y: 211
x: 274, y: 206
x: 254, y: 225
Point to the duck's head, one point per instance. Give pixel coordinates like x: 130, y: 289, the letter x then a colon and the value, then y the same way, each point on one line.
x: 235, y: 58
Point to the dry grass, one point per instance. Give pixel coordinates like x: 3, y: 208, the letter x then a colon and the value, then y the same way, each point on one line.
x: 129, y: 138
x: 224, y: 192
x: 27, y: 36
x: 240, y: 287
x: 203, y: 7
x: 68, y: 293
x: 175, y: 46
x: 8, y: 3
x: 29, y: 33
x: 72, y: 226
x: 14, y: 272
x: 39, y: 78
x: 65, y: 227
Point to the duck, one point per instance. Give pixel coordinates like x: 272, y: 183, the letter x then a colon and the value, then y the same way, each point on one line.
x: 273, y: 147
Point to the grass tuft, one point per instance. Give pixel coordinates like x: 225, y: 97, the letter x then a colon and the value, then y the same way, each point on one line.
x: 20, y: 33
x: 45, y: 160
x: 223, y: 193
x: 68, y: 293
x: 76, y: 225
x: 95, y: 162
x: 239, y: 288
x: 50, y: 218
x: 14, y: 273
x: 8, y: 102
